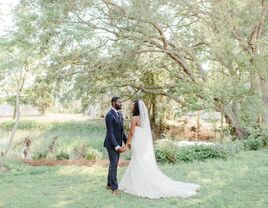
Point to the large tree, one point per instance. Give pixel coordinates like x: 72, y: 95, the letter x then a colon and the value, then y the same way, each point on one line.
x: 194, y: 47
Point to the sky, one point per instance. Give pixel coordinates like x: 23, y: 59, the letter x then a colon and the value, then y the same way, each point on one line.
x: 6, y: 21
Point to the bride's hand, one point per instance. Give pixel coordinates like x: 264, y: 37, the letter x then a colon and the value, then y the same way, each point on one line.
x: 128, y: 145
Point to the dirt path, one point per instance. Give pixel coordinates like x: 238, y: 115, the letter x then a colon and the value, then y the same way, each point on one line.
x: 90, y: 163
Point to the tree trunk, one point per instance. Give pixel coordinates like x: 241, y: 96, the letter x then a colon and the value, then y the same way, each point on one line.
x: 231, y: 117
x: 14, y: 112
x: 153, y: 110
x: 2, y: 161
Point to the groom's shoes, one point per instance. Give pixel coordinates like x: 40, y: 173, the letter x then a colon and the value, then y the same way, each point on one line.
x: 116, y: 192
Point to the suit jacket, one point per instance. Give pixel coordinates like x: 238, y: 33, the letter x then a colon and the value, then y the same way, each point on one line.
x: 115, y: 134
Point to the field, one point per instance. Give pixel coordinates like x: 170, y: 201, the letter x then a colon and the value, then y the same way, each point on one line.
x: 238, y: 181
x: 41, y: 132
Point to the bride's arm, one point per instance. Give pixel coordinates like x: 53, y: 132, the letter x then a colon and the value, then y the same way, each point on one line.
x: 131, y: 131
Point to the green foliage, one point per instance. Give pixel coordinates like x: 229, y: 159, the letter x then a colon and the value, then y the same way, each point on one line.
x: 41, y: 148
x: 83, y: 150
x: 257, y: 139
x: 80, y: 150
x: 252, y: 143
x: 233, y: 148
x: 168, y: 151
x: 93, y: 154
x: 191, y: 153
x: 252, y: 109
x: 201, y: 152
x: 39, y: 155
x: 23, y: 100
x: 193, y: 52
x: 62, y: 149
x: 62, y: 156
x: 41, y: 94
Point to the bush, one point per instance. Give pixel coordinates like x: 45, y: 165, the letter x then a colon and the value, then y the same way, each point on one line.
x: 62, y: 156
x: 233, y: 148
x: 168, y: 151
x: 93, y: 154
x: 45, y: 148
x: 201, y: 152
x: 39, y: 155
x: 253, y: 143
x: 257, y: 139
x: 264, y: 139
x: 80, y: 150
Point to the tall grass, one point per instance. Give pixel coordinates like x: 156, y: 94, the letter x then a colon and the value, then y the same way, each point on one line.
x: 68, y: 133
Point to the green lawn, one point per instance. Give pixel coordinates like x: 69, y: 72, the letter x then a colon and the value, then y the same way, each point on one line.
x: 241, y: 181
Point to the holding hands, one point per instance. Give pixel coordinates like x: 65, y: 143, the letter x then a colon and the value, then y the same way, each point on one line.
x: 121, y: 149
x: 127, y: 146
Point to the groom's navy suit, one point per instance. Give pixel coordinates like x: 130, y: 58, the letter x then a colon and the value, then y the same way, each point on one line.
x: 115, y: 136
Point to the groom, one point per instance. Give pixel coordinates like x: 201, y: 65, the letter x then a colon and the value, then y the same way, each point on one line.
x: 115, y: 136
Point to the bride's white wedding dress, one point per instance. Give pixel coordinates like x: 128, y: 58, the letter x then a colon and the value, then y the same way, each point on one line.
x: 143, y: 177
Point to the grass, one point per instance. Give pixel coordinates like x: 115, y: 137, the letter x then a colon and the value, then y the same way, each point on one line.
x: 68, y: 133
x: 240, y: 182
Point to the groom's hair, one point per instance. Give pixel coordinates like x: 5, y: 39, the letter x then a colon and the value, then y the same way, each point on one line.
x: 114, y: 99
x: 136, y: 111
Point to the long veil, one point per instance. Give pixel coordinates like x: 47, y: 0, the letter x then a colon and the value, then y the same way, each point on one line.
x: 145, y: 124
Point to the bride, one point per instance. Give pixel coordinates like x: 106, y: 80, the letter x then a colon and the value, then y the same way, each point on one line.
x: 143, y: 177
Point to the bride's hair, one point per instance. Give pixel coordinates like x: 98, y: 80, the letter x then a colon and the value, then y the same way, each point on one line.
x: 136, y: 111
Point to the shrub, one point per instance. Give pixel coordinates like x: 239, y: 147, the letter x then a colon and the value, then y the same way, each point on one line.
x: 80, y: 150
x: 165, y: 156
x: 252, y: 143
x: 233, y: 147
x: 201, y: 152
x: 264, y: 139
x: 93, y: 154
x: 39, y: 155
x: 62, y: 156
x: 168, y: 151
x: 258, y: 137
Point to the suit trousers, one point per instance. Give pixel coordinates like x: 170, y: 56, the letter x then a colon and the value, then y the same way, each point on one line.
x: 112, y: 172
